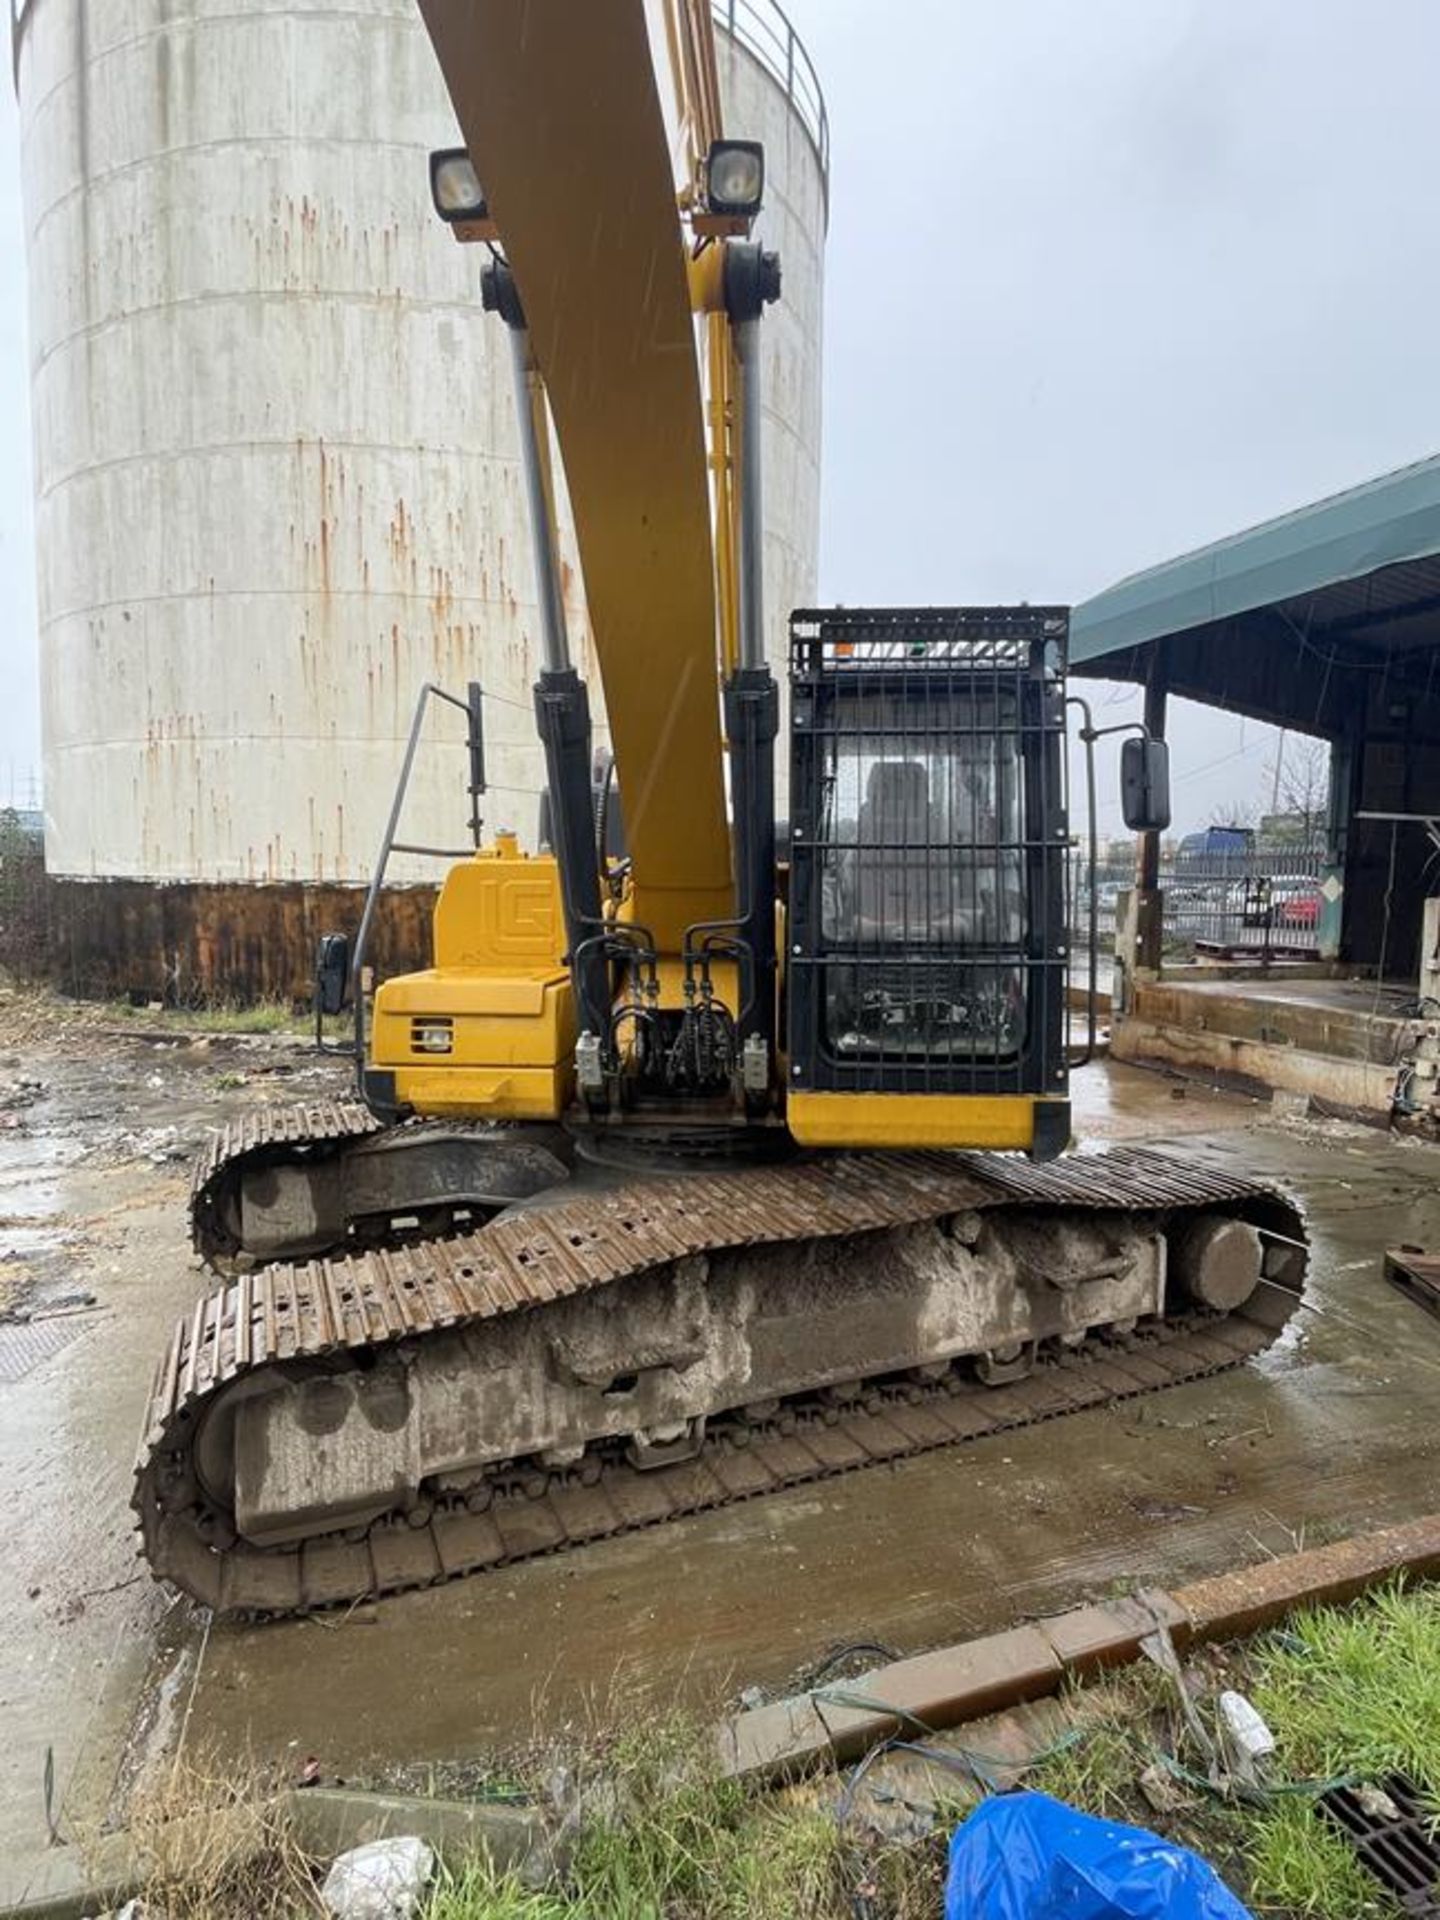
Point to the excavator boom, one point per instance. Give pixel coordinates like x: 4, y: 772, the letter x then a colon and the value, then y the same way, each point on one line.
x: 559, y: 107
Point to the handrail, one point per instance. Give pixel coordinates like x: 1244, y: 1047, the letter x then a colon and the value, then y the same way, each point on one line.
x: 471, y: 708
x: 763, y: 29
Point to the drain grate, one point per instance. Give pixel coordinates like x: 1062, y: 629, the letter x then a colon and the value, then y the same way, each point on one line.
x: 1401, y: 1851
x: 25, y: 1343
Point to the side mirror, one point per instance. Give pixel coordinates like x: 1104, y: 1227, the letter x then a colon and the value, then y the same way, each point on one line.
x: 332, y: 973
x: 1145, y: 785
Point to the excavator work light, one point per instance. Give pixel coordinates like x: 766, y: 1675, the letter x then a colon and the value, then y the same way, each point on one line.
x: 459, y: 197
x: 735, y: 178
x: 455, y: 186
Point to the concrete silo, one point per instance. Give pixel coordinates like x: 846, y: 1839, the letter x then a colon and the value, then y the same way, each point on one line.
x: 276, y: 471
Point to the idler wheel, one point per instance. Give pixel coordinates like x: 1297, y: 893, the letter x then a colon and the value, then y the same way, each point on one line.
x: 1217, y: 1263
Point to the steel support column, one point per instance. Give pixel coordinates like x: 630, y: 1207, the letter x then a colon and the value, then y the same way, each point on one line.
x: 1149, y: 905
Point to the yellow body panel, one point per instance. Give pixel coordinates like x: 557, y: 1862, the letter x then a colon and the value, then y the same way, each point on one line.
x: 451, y: 990
x: 913, y: 1119
x: 484, y: 1093
x: 501, y: 1023
x: 502, y: 988
x: 500, y: 914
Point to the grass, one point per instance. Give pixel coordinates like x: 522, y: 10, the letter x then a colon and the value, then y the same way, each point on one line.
x: 1299, y: 1865
x: 663, y: 1836
x: 483, y: 1893
x: 1347, y: 1691
x: 36, y: 1014
x: 13, y: 1277
x: 1119, y: 1721
x: 216, y: 1846
x: 261, y: 1016
x: 1357, y: 1689
x: 655, y: 1832
x: 265, y: 1016
x: 783, y: 1859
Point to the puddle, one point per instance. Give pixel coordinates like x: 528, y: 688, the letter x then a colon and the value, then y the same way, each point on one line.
x: 28, y: 1243
x: 29, y: 1150
x: 35, y: 1241
x: 1290, y: 1352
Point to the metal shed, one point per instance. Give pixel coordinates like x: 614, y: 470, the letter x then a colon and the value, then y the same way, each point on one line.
x: 1327, y: 620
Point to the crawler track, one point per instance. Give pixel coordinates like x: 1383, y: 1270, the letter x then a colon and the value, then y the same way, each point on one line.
x: 423, y: 1169
x: 318, y: 1128
x: 327, y: 1310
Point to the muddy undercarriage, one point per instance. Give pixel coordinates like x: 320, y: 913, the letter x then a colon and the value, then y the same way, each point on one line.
x: 618, y: 1351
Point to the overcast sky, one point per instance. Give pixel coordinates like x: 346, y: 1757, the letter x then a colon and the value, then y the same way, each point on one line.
x: 1104, y: 282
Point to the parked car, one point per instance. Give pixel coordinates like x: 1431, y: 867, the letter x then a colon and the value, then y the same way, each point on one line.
x: 1294, y: 900
x: 1299, y: 909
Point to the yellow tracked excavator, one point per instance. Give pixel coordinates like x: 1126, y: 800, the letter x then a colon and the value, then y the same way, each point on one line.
x: 710, y: 1155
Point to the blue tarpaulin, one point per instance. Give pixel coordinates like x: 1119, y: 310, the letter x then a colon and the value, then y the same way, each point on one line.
x: 1024, y: 1856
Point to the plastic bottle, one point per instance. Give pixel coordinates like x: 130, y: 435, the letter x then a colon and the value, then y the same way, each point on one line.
x: 1246, y: 1734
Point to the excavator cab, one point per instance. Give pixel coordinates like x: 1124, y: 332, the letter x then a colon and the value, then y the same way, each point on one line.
x: 925, y: 952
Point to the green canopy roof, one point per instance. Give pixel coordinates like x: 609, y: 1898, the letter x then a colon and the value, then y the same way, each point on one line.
x: 1385, y: 521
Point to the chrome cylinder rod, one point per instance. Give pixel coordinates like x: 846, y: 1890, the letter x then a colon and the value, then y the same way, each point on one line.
x: 529, y: 412
x: 752, y: 558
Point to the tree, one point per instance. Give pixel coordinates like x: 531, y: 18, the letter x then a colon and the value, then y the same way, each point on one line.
x: 1300, y: 787
x: 22, y: 897
x: 1234, y: 813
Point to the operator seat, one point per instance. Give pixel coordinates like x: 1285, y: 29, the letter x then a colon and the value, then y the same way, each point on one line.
x: 902, y: 891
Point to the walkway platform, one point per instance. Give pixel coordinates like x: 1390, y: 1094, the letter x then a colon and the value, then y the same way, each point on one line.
x: 1337, y: 1041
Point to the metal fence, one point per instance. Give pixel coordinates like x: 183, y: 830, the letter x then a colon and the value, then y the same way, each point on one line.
x: 1264, y: 903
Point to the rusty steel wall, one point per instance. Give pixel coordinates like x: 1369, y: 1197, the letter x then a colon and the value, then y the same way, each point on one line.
x: 275, y: 452
x: 196, y: 945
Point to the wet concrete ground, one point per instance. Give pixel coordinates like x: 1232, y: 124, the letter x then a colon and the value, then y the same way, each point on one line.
x: 96, y: 1133
x: 1331, y: 1432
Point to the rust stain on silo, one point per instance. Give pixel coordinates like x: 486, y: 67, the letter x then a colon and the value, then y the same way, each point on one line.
x: 324, y: 518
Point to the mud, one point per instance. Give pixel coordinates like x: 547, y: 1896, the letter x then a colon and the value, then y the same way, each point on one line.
x: 1330, y: 1433
x: 96, y: 1133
